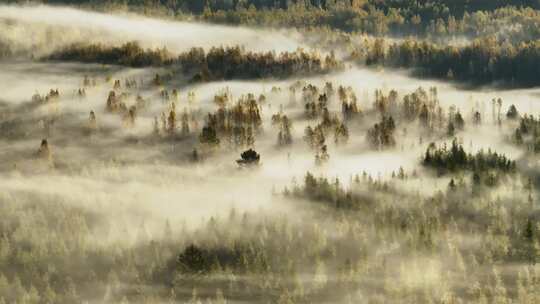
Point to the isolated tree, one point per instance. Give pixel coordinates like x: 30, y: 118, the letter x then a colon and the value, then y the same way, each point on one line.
x: 156, y: 126
x: 459, y: 122
x: 424, y: 116
x: 195, y: 155
x: 248, y: 158
x: 450, y: 130
x: 92, y: 122
x: 185, y: 123
x: 130, y: 116
x: 512, y: 113
x: 452, y: 185
x: 477, y: 118
x: 171, y: 122
x: 112, y: 102
x: 44, y: 151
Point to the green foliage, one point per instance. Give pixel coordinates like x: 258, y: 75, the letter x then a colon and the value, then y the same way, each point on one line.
x: 209, y: 136
x: 428, y: 19
x: 528, y: 133
x: 381, y: 135
x: 482, y: 61
x: 249, y: 157
x: 129, y: 54
x: 234, y: 124
x: 512, y: 113
x: 456, y: 159
x: 217, y: 64
x: 194, y: 260
x: 439, y: 19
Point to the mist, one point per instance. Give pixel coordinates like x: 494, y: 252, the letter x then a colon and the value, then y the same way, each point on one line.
x: 42, y: 29
x: 145, y: 206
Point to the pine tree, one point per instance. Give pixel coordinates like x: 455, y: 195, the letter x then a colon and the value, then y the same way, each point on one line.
x: 185, y: 123
x: 171, y: 120
x: 512, y: 113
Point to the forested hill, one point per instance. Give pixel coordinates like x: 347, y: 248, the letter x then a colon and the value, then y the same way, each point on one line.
x: 424, y: 8
x: 371, y: 16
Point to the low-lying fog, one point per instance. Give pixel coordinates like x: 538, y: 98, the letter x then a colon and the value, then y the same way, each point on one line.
x: 48, y: 28
x: 155, y: 177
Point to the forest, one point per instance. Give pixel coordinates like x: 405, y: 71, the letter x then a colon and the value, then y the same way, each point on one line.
x: 256, y: 151
x: 484, y: 61
x: 429, y: 18
x: 218, y: 64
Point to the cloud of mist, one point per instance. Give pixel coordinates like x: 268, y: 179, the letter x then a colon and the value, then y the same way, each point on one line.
x: 134, y: 179
x: 45, y: 28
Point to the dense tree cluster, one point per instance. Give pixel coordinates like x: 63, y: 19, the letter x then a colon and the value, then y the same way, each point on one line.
x: 234, y: 124
x: 129, y: 54
x: 483, y: 61
x: 435, y: 18
x: 425, y: 225
x: 327, y: 191
x: 216, y: 64
x: 316, y: 107
x: 420, y: 106
x: 284, y: 125
x: 455, y: 158
x: 381, y: 135
x: 259, y: 256
x: 428, y: 19
x: 528, y: 133
x: 235, y: 62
